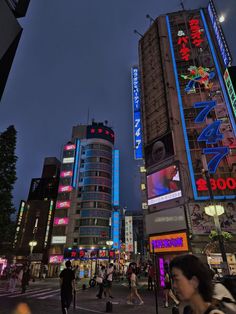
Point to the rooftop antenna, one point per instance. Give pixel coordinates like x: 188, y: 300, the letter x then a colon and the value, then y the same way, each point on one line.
x: 150, y: 19
x: 136, y: 32
x: 88, y: 117
x: 182, y: 5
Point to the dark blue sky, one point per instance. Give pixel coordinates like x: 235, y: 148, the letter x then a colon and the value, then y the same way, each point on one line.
x: 73, y: 56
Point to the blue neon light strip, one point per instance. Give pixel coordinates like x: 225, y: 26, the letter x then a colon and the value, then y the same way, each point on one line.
x: 75, y: 171
x: 182, y: 111
x: 219, y: 72
x: 116, y: 230
x: 196, y: 197
x: 115, y: 178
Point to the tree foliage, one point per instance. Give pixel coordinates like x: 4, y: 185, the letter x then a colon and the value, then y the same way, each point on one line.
x: 7, y: 180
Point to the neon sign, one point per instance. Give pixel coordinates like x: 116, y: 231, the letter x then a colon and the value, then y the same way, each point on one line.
x: 138, y: 154
x: 116, y: 229
x: 63, y: 204
x: 65, y: 174
x: 56, y: 259
x: 64, y: 188
x: 212, y: 129
x: 200, y: 76
x: 175, y: 242
x: 219, y: 34
x: 217, y: 184
x: 69, y: 147
x: 196, y: 33
x: 115, y: 177
x: 184, y: 50
x: 61, y: 221
x: 231, y: 91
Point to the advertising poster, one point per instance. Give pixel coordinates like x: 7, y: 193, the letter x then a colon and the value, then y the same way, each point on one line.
x: 203, y: 224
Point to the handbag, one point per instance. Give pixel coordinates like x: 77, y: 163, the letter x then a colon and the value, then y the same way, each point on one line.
x: 99, y: 280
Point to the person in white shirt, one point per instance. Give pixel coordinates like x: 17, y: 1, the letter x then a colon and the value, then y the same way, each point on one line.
x: 134, y: 289
x: 221, y: 293
x: 109, y: 278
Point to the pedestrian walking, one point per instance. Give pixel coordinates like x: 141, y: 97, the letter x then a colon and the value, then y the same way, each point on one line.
x: 151, y: 275
x: 99, y: 279
x: 108, y: 280
x: 134, y: 289
x: 168, y: 288
x: 13, y: 280
x: 193, y: 284
x: 25, y: 279
x: 67, y: 283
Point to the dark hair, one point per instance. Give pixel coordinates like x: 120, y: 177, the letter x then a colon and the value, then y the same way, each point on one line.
x: 190, y: 266
x: 68, y: 264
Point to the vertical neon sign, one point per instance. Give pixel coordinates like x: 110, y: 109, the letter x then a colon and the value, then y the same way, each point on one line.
x: 115, y: 177
x: 138, y: 154
x: 75, y: 170
x: 116, y: 229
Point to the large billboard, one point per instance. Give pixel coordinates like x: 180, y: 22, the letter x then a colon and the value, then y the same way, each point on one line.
x: 164, y: 185
x: 161, y: 149
x: 206, y: 115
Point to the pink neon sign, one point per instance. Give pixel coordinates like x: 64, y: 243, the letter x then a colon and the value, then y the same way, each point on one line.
x: 69, y: 147
x: 65, y: 174
x: 64, y: 204
x: 61, y: 221
x: 55, y: 259
x: 64, y: 188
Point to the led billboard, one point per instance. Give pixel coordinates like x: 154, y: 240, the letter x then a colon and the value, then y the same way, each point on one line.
x: 159, y: 150
x: 164, y: 185
x: 206, y: 114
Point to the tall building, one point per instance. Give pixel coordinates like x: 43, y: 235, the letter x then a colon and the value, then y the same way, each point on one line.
x: 88, y: 191
x: 10, y: 33
x: 187, y: 117
x: 35, y: 217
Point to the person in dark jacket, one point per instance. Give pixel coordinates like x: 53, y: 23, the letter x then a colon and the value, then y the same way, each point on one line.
x: 25, y: 279
x: 67, y: 281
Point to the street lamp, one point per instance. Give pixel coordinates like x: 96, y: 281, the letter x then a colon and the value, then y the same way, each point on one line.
x: 221, y: 19
x: 215, y: 211
x: 32, y: 244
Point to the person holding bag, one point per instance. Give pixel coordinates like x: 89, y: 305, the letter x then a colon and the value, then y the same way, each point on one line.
x: 99, y: 279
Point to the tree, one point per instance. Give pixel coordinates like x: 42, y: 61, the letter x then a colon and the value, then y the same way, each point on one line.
x: 7, y: 180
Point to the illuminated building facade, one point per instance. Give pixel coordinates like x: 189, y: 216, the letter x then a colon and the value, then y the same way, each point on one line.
x: 186, y: 112
x: 10, y: 34
x: 88, y: 191
x: 35, y: 217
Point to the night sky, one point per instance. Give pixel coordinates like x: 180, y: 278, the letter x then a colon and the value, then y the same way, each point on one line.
x: 74, y: 57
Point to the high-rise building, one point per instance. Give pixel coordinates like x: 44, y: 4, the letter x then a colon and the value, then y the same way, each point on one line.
x: 35, y: 217
x: 88, y: 191
x: 10, y: 33
x: 186, y: 117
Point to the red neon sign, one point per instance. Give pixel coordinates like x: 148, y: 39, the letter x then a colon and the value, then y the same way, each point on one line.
x: 184, y: 50
x: 217, y: 184
x: 196, y: 33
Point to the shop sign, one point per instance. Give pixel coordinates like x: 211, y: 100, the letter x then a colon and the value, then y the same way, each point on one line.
x: 56, y: 259
x: 61, y: 221
x: 174, y: 242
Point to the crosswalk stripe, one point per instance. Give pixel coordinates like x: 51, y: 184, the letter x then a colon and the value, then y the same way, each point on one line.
x: 48, y: 296
x: 8, y: 293
x: 41, y: 293
x: 28, y: 293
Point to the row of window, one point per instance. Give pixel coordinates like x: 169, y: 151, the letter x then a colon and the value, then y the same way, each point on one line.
x: 95, y: 174
x: 91, y: 204
x: 94, y: 188
x: 98, y: 146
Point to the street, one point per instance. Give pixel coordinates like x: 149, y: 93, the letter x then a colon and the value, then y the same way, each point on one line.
x: 44, y: 297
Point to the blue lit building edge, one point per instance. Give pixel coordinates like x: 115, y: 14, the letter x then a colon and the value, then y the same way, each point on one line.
x: 196, y: 197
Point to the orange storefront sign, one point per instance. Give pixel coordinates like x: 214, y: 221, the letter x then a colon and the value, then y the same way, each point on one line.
x: 168, y: 243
